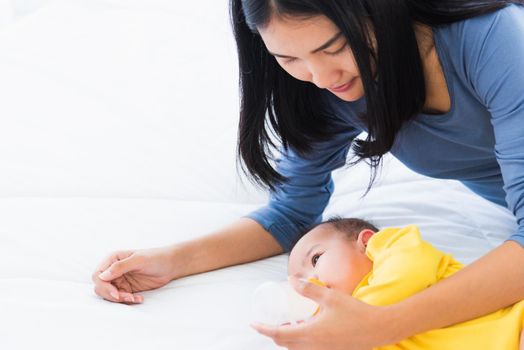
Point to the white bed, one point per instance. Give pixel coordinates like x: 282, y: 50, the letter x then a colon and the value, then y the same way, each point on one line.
x: 117, y: 130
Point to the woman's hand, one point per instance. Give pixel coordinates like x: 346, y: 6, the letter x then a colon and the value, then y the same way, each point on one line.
x: 344, y: 323
x: 123, y: 273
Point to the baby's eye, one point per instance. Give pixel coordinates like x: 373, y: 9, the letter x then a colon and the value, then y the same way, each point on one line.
x: 314, y: 259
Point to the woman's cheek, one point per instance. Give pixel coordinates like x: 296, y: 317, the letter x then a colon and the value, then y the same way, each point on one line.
x: 296, y: 71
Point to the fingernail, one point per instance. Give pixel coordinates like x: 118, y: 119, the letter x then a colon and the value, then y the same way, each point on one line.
x: 114, y: 295
x: 105, y: 275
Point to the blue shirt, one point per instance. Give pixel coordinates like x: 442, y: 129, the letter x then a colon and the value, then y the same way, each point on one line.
x: 479, y: 142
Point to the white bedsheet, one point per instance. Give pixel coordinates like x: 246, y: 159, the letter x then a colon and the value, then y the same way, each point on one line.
x: 108, y: 141
x: 50, y: 246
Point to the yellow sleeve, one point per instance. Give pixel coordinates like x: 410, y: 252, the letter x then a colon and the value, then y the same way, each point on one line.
x: 403, y: 264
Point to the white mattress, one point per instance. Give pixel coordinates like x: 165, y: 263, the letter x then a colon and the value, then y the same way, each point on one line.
x: 108, y: 142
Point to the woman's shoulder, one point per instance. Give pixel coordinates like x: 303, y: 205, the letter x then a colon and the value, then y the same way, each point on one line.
x: 506, y: 24
x: 469, y: 46
x: 509, y: 12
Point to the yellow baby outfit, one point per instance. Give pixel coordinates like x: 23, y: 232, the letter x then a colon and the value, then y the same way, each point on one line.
x: 404, y: 264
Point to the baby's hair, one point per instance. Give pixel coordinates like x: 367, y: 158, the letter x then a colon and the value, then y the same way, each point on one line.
x: 350, y: 227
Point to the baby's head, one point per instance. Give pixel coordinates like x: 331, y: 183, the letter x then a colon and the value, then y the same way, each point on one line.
x: 334, y: 252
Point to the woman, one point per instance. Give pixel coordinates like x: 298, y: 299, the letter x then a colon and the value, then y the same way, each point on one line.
x: 437, y: 83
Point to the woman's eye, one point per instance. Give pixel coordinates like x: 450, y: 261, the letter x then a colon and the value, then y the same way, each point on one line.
x: 339, y: 51
x: 314, y: 259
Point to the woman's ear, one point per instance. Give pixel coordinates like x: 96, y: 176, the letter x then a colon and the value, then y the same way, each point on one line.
x: 363, y: 237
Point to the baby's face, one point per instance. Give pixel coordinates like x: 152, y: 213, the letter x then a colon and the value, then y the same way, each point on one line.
x: 328, y: 255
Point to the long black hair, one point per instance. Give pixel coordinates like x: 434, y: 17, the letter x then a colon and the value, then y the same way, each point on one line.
x: 273, y: 103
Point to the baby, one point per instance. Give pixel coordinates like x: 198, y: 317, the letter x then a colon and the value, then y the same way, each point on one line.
x: 387, y: 266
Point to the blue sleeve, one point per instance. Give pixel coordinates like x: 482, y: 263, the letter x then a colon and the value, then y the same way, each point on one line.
x: 299, y: 203
x: 494, y: 54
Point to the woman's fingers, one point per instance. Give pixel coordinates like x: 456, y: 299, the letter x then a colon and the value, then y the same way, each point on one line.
x: 105, y: 289
x: 131, y: 298
x: 282, y: 335
x: 343, y: 320
x: 310, y: 290
x: 111, y: 268
x: 109, y: 292
x: 113, y: 257
x: 120, y: 267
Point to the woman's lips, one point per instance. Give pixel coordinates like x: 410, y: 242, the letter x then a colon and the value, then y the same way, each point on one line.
x: 344, y: 87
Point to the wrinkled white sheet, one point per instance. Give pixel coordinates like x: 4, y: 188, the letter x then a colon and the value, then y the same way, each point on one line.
x: 117, y: 131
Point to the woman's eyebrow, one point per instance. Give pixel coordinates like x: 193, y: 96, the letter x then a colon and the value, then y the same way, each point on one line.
x: 322, y: 47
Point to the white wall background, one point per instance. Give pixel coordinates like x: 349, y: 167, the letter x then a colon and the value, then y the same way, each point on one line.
x: 120, y: 98
x: 11, y: 10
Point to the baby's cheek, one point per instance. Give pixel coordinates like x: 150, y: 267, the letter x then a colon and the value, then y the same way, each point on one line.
x: 348, y: 280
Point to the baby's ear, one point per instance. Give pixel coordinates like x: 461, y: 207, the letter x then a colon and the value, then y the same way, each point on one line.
x: 364, y: 236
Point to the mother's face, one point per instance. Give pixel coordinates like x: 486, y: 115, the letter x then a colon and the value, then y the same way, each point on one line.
x: 314, y: 50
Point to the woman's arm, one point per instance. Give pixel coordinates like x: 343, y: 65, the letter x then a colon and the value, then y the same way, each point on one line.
x: 493, y: 282
x: 241, y: 242
x: 493, y: 50
x: 123, y: 273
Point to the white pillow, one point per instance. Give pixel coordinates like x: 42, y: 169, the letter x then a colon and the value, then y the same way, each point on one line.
x: 6, y: 13
x: 120, y: 99
x: 25, y: 7
x: 450, y: 216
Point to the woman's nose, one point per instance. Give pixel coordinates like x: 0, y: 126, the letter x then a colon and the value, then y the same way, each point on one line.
x: 324, y: 77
